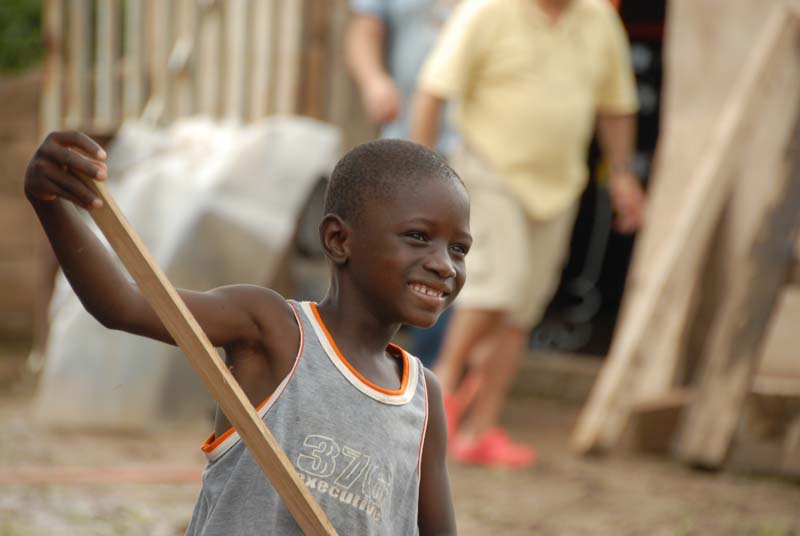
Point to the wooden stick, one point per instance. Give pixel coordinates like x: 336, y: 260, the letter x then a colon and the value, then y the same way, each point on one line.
x: 183, y: 327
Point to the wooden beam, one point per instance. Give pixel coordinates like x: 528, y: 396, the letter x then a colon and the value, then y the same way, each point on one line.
x: 779, y: 355
x: 209, y: 65
x: 289, y: 57
x: 53, y: 20
x: 106, y: 54
x: 316, y: 76
x: 653, y: 421
x: 133, y: 60
x: 235, y: 50
x: 791, y: 449
x: 261, y: 26
x: 740, y: 326
x: 183, y: 327
x: 79, y: 39
x: 182, y: 58
x: 157, y: 110
x: 681, y: 252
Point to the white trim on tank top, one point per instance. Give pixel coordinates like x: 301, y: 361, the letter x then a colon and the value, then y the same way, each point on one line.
x: 395, y: 400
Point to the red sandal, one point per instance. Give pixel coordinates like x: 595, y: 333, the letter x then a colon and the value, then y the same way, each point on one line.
x: 493, y: 449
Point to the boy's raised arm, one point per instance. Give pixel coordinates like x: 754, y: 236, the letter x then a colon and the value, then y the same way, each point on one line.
x: 52, y: 186
x: 436, y: 516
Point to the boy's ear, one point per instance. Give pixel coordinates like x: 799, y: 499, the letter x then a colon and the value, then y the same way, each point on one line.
x: 334, y: 234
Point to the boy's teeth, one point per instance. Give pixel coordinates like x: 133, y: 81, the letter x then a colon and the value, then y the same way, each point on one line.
x: 427, y: 291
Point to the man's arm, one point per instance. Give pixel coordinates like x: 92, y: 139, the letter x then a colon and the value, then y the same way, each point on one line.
x: 52, y: 187
x: 425, y: 113
x: 617, y: 135
x: 364, y: 51
x: 435, y: 513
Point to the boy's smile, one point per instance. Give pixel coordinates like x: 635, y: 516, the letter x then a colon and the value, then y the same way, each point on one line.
x: 409, y: 250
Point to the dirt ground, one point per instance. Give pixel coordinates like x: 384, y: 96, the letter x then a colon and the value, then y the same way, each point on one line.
x: 104, y: 483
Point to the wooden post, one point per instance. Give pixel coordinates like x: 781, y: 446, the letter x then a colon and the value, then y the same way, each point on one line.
x: 53, y: 15
x: 181, y: 61
x: 316, y: 74
x: 261, y: 27
x: 133, y: 56
x: 235, y: 41
x: 289, y: 57
x: 158, y: 39
x: 183, y: 327
x: 616, y: 389
x: 106, y: 53
x: 79, y: 37
x: 741, y: 324
x: 208, y: 75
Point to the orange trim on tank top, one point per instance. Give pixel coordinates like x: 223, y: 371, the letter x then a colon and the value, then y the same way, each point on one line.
x: 403, y: 382
x: 211, y: 443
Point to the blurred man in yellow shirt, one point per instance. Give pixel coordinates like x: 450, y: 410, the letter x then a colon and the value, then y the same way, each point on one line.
x: 530, y: 80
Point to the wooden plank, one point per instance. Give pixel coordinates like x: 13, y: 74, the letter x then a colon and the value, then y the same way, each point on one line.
x: 53, y: 34
x: 262, y: 24
x: 235, y: 50
x: 344, y: 103
x: 741, y: 324
x: 78, y: 69
x: 133, y: 60
x: 779, y: 356
x: 158, y: 39
x: 181, y: 57
x: 209, y: 67
x: 764, y: 436
x: 315, y: 63
x: 183, y: 327
x: 681, y: 252
x: 106, y: 53
x: 791, y: 449
x: 794, y: 277
x: 654, y: 421
x: 289, y: 57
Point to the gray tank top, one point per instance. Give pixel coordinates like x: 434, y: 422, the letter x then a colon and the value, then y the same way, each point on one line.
x: 356, y: 446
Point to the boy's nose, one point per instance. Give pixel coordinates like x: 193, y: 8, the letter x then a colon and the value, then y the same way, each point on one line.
x: 439, y: 262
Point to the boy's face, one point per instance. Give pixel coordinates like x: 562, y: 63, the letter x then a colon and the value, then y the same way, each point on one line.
x: 407, y: 253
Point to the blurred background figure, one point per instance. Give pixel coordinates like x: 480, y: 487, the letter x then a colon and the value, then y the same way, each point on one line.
x: 529, y: 79
x: 386, y: 43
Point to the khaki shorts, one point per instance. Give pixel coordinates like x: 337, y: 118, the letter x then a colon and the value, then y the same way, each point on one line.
x: 515, y: 262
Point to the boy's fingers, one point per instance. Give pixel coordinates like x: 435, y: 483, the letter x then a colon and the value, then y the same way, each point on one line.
x: 83, y: 142
x: 71, y: 186
x: 75, y: 161
x: 64, y: 194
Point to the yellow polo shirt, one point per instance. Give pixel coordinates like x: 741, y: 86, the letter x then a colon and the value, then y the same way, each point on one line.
x: 527, y: 90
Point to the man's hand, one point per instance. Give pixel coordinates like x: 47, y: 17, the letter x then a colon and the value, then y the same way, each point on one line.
x: 381, y: 100
x: 53, y: 170
x: 627, y: 198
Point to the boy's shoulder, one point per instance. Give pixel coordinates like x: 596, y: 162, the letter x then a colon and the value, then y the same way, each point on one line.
x: 263, y: 303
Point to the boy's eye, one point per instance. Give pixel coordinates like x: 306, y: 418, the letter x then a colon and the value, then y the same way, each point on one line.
x: 417, y: 235
x: 459, y: 249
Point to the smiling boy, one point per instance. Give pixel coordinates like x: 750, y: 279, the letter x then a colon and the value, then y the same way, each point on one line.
x: 362, y: 420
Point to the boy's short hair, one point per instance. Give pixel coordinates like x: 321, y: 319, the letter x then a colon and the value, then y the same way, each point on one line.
x: 374, y: 170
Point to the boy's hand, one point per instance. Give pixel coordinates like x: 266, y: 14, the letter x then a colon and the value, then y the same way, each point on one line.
x: 627, y: 198
x: 53, y: 171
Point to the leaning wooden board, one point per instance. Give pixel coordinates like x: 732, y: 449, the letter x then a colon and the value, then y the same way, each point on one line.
x: 632, y: 368
x: 183, y: 327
